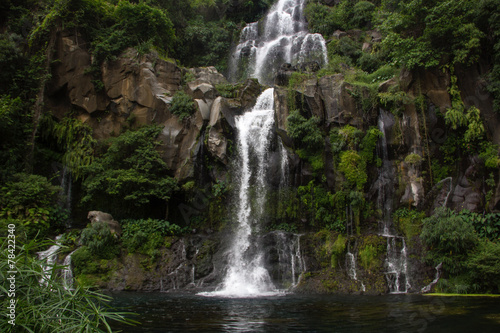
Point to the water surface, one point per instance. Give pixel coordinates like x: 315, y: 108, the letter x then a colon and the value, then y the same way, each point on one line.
x: 183, y: 312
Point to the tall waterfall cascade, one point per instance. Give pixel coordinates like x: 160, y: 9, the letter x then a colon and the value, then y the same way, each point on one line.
x: 282, y: 38
x: 247, y: 275
x: 396, y: 262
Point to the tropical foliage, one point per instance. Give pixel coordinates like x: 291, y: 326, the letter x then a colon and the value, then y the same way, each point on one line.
x: 130, y: 176
x: 62, y: 309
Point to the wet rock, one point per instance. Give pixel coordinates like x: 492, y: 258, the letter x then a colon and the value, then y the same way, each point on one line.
x: 376, y: 36
x: 203, y: 108
x: 308, y: 67
x: 208, y: 75
x: 283, y: 75
x: 246, y: 51
x: 249, y: 93
x: 308, y: 95
x: 199, y: 89
x: 414, y: 189
x: 281, y: 113
x: 339, y: 34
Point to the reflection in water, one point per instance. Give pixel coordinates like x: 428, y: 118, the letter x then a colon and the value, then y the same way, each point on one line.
x: 171, y: 312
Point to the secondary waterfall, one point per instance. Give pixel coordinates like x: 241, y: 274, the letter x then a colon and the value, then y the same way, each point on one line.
x: 282, y: 38
x: 49, y: 256
x: 67, y: 272
x: 396, y: 260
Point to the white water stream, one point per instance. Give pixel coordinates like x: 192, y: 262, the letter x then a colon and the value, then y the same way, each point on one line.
x: 282, y: 37
x: 246, y: 275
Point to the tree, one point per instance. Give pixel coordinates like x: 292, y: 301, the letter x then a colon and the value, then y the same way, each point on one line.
x: 130, y: 176
x: 423, y: 33
x: 449, y: 237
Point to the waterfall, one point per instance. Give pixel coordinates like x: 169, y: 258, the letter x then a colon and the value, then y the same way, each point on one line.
x: 397, y: 265
x: 67, y: 272
x: 385, y: 181
x: 290, y: 264
x: 49, y: 256
x: 396, y: 260
x: 351, y: 267
x: 65, y: 195
x: 283, y: 38
x: 428, y: 287
x: 246, y: 273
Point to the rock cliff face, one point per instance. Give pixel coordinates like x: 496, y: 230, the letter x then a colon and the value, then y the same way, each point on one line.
x: 137, y: 90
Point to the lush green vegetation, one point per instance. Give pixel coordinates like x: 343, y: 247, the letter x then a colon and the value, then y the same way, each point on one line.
x: 62, y: 310
x: 182, y: 105
x: 130, y: 176
x: 462, y: 243
x: 148, y: 235
x: 31, y: 203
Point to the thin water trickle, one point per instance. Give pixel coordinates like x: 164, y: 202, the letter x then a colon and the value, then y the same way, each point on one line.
x: 396, y: 260
x: 67, y: 272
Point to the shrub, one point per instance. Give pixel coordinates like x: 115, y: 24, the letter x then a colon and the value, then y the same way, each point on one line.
x: 338, y: 249
x: 206, y: 43
x: 31, y: 200
x: 368, y: 255
x: 353, y: 166
x: 147, y: 235
x: 413, y: 159
x: 317, y: 205
x: 421, y: 36
x: 100, y: 241
x: 362, y: 14
x: 182, y: 105
x: 84, y: 262
x: 489, y: 154
x: 484, y: 265
x: 447, y: 232
x: 305, y: 132
x: 486, y: 226
x: 409, y: 222
x: 450, y: 237
x: 76, y: 140
x: 369, y: 143
x: 142, y: 22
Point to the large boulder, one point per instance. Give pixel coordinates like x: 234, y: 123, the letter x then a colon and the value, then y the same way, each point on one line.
x: 309, y: 95
x: 249, y: 93
x: 340, y: 106
x: 96, y: 216
x: 208, y: 75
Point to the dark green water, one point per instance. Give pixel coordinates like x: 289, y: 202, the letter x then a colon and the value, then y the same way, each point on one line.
x: 175, y: 312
